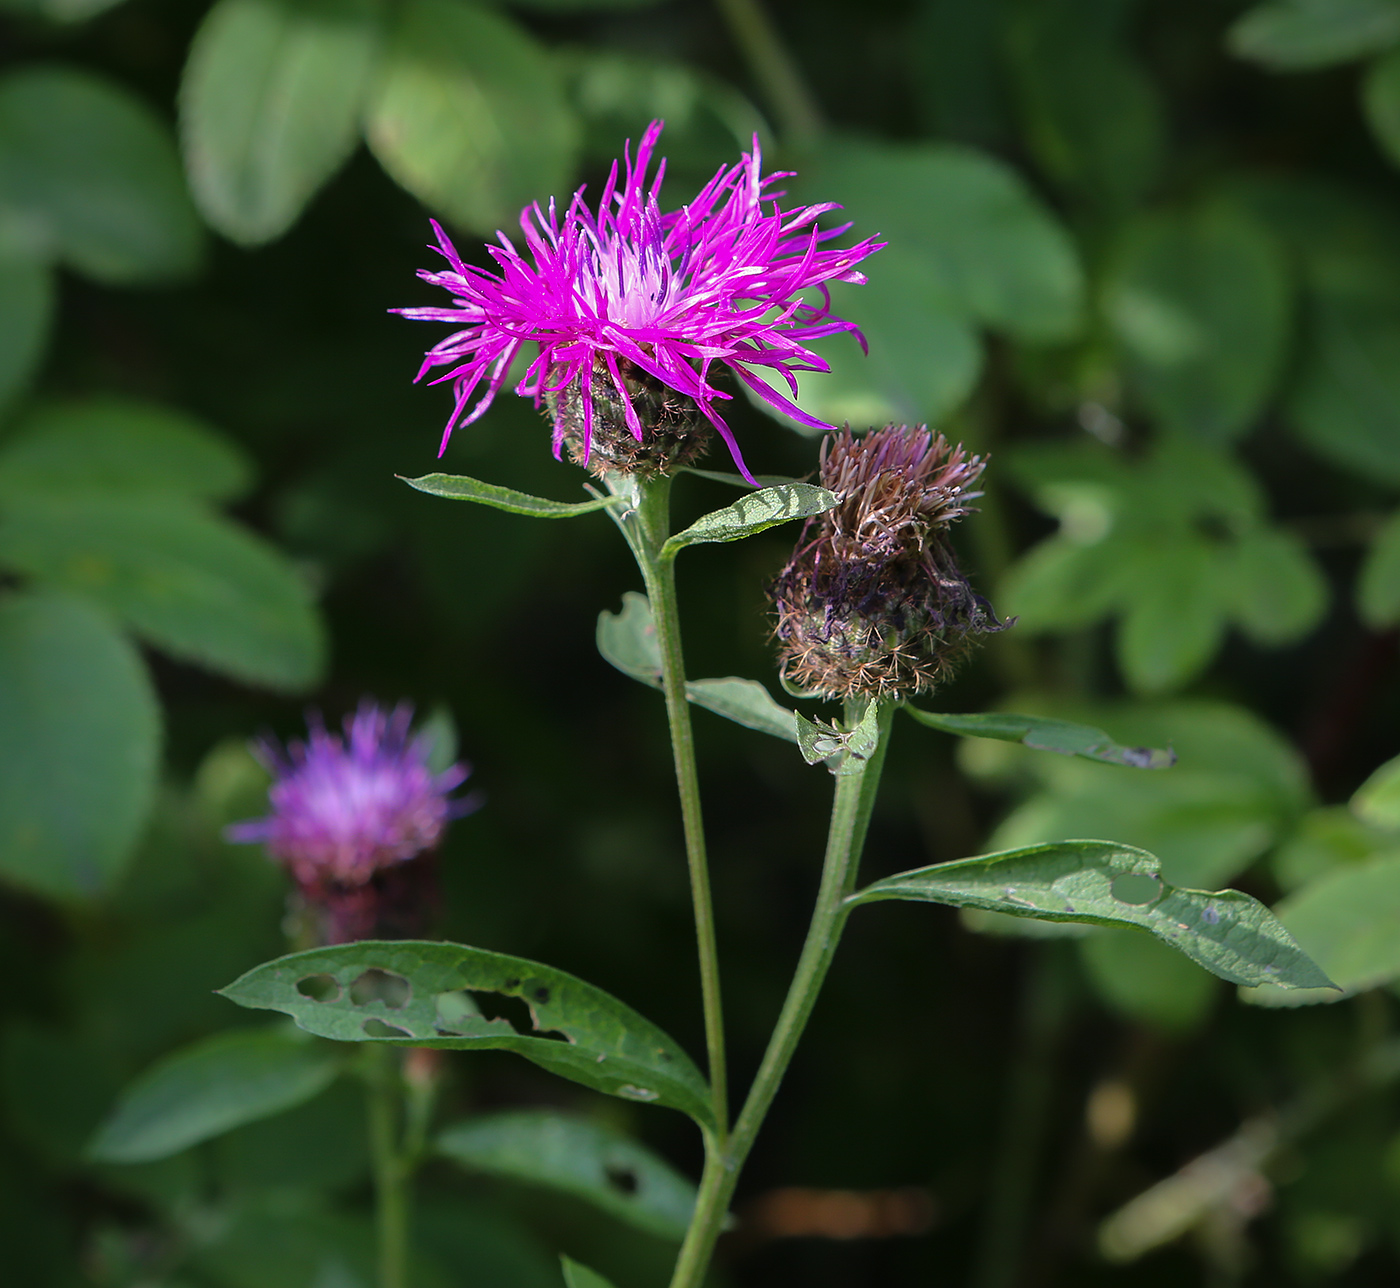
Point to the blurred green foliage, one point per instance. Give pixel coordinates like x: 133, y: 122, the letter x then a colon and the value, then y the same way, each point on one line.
x: 1146, y: 255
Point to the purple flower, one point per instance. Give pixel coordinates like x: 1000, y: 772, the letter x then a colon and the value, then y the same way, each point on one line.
x: 629, y: 290
x: 343, y: 809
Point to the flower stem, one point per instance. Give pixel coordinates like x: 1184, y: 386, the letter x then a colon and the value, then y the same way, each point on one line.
x: 850, y: 819
x: 646, y: 533
x: 799, y: 117
x: 390, y: 1167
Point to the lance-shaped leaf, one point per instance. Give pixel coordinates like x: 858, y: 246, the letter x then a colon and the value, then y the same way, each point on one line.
x: 458, y: 487
x: 627, y: 640
x: 424, y: 994
x: 1231, y: 934
x: 752, y: 514
x: 1044, y: 734
x: 594, y: 1162
x: 212, y: 1087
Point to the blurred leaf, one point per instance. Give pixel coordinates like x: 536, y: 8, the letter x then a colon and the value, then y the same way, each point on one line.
x: 1323, y: 840
x: 580, y: 6
x: 79, y: 742
x: 60, y: 10
x: 1380, y: 99
x: 439, y: 731
x: 1378, y: 589
x: 96, y: 169
x: 954, y: 50
x: 1093, y: 118
x: 277, y: 1245
x: 189, y: 581
x: 1200, y: 303
x: 577, y: 1275
x: 1349, y: 921
x: 991, y: 249
x: 119, y: 444
x: 581, y: 1157
x: 1231, y: 934
x: 1044, y: 734
x: 212, y: 1087
x: 1274, y: 588
x: 1377, y: 800
x: 270, y: 107
x: 1142, y: 979
x: 26, y: 313
x: 606, y: 1046
x: 1296, y: 35
x: 469, y: 115
x: 1175, y: 621
x: 1064, y: 583
x: 457, y: 487
x: 752, y: 514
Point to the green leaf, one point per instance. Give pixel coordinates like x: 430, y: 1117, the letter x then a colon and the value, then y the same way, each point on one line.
x: 577, y: 1275
x: 1380, y: 99
x: 842, y: 749
x: 745, y: 702
x: 1231, y: 934
x: 1349, y: 922
x: 1175, y: 620
x: 1045, y: 734
x: 987, y: 245
x: 1199, y: 302
x: 1141, y: 978
x: 469, y: 115
x: 270, y: 107
x: 1274, y: 588
x: 95, y: 169
x: 457, y: 487
x: 120, y: 445
x: 1377, y: 800
x: 606, y: 1045
x: 1378, y: 588
x: 79, y: 740
x: 754, y: 513
x: 26, y: 313
x: 212, y: 1087
x: 1064, y: 583
x: 1296, y: 35
x: 67, y: 11
x: 595, y: 1162
x: 190, y: 582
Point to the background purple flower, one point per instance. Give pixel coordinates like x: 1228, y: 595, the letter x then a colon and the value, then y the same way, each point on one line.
x: 345, y: 808
x: 717, y: 281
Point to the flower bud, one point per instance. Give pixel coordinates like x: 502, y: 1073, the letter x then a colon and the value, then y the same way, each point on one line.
x: 872, y: 603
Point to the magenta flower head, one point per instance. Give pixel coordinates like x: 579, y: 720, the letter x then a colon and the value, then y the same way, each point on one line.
x: 348, y: 811
x: 640, y: 308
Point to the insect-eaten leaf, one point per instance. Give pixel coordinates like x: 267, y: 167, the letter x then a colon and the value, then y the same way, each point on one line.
x: 845, y: 751
x: 1231, y: 934
x: 592, y: 1161
x: 1045, y: 734
x: 458, y: 487
x: 752, y: 514
x: 627, y: 640
x: 434, y: 995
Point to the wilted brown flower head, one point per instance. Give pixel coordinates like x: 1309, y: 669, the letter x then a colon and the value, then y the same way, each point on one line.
x: 872, y: 603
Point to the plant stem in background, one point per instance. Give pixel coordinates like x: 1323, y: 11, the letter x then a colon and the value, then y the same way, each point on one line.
x: 799, y: 118
x: 391, y: 1172
x: 850, y: 818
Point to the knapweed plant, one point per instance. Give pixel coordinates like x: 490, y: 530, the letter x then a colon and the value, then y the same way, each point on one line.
x: 620, y: 322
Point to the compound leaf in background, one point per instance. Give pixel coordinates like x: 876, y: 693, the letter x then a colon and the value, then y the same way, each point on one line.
x: 1231, y: 934
x: 189, y: 581
x: 210, y: 1088
x: 1046, y: 734
x: 96, y: 171
x: 270, y: 107
x: 120, y: 445
x: 595, y: 1162
x: 26, y: 312
x: 424, y: 994
x: 1199, y: 303
x: 1378, y: 590
x: 1176, y: 618
x: 1274, y: 588
x: 469, y: 115
x: 1296, y: 35
x: 79, y: 740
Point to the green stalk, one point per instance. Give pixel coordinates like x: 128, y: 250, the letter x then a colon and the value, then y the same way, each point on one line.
x: 390, y: 1170
x: 773, y: 67
x: 850, y: 819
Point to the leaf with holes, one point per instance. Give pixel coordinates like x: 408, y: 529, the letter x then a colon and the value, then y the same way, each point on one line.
x: 1231, y: 934
x: 412, y: 993
x: 577, y: 1275
x: 1045, y: 734
x: 595, y: 1162
x: 212, y: 1087
x: 754, y: 513
x: 458, y: 487
x: 843, y: 750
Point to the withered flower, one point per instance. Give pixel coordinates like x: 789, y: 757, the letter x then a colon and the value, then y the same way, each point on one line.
x: 872, y: 603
